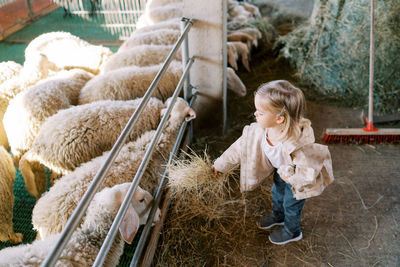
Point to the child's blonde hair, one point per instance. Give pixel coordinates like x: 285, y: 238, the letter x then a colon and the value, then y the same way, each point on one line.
x: 283, y: 98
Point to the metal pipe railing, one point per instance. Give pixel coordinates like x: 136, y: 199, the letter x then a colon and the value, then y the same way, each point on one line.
x: 157, y: 196
x: 101, y: 256
x: 185, y: 57
x: 100, y: 176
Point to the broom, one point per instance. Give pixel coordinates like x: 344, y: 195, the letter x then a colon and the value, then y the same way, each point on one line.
x: 368, y: 134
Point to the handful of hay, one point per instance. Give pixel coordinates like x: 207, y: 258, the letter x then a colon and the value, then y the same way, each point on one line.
x: 210, y: 222
x: 197, y: 192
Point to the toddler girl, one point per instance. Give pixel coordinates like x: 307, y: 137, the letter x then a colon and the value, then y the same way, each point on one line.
x: 281, y: 144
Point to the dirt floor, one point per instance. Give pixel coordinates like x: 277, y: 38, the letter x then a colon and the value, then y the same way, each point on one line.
x: 355, y: 222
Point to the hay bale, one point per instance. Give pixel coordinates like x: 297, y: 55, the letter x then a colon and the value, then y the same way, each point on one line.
x: 209, y: 222
x: 331, y: 52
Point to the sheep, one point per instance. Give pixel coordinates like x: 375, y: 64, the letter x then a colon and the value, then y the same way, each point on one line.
x: 157, y: 37
x: 34, y: 70
x: 173, y: 24
x: 156, y: 14
x: 86, y: 241
x: 53, y: 209
x: 7, y: 176
x: 165, y: 12
x: 253, y: 32
x: 232, y: 55
x: 241, y: 37
x: 29, y: 109
x: 234, y: 83
x: 243, y: 51
x: 152, y: 4
x: 254, y: 10
x: 131, y: 82
x: 142, y: 55
x: 76, y: 135
x: 67, y: 51
x: 8, y: 70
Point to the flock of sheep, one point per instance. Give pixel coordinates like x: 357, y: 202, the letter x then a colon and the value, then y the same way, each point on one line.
x: 65, y: 108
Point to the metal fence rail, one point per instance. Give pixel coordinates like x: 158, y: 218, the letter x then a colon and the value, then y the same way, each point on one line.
x: 100, y: 176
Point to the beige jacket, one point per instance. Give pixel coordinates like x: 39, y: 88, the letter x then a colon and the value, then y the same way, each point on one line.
x: 308, y: 168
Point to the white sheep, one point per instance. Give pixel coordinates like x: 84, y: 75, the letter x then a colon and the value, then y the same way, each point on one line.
x: 242, y: 50
x: 254, y: 10
x: 29, y: 109
x: 232, y: 55
x: 155, y: 13
x: 142, y: 55
x: 157, y: 37
x: 67, y: 51
x: 173, y: 24
x: 253, y: 32
x: 166, y: 12
x: 7, y: 177
x: 151, y: 4
x: 76, y: 135
x: 131, y: 82
x: 53, y: 209
x: 86, y: 241
x: 234, y: 83
x: 34, y: 70
x: 241, y: 37
x: 8, y: 70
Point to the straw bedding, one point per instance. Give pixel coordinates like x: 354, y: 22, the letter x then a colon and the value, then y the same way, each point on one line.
x: 209, y: 221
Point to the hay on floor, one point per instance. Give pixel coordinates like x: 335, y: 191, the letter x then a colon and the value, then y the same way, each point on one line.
x: 209, y: 222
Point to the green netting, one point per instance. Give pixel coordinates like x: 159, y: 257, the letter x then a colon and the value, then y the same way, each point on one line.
x: 331, y: 51
x: 23, y: 206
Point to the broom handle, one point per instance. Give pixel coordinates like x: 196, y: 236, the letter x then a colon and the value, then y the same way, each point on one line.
x: 371, y: 65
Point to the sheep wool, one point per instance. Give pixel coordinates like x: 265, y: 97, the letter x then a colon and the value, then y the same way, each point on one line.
x: 29, y: 109
x: 157, y: 37
x: 33, y: 71
x: 76, y: 135
x: 152, y: 4
x: 7, y: 176
x: 8, y: 70
x: 86, y: 241
x: 163, y: 13
x: 173, y: 24
x: 154, y: 11
x: 67, y: 51
x: 54, y: 208
x: 142, y: 55
x: 131, y: 82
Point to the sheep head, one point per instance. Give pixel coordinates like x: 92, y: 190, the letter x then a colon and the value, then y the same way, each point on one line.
x: 234, y: 83
x: 138, y: 210
x: 180, y: 110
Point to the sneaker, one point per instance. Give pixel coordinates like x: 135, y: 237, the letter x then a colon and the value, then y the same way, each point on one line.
x: 269, y: 221
x: 282, y: 236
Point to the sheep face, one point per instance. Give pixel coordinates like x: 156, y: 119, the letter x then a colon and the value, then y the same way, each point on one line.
x: 137, y: 212
x: 180, y: 110
x: 234, y: 83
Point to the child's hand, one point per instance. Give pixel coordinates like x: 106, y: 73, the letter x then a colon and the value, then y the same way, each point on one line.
x: 215, y: 172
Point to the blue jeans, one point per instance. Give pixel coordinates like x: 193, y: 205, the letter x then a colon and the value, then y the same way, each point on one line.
x: 285, y: 206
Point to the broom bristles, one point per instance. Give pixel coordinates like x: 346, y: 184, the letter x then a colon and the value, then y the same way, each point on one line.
x: 360, y: 136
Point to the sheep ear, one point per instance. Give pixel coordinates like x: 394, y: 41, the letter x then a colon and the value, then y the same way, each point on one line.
x: 191, y: 114
x: 129, y: 225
